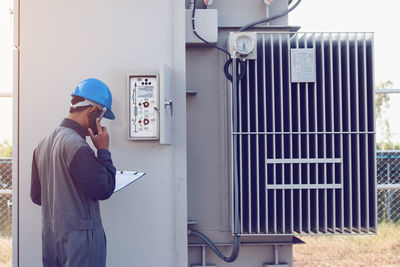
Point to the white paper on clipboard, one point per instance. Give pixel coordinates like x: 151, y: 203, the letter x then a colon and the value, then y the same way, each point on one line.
x: 125, y: 178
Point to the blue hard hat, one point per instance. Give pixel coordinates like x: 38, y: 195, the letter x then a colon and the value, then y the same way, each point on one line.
x: 96, y: 91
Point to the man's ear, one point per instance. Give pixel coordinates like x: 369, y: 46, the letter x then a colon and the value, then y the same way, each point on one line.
x: 91, y: 110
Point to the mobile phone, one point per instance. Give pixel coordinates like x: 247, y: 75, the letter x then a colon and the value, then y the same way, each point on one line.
x: 103, y: 111
x: 92, y: 119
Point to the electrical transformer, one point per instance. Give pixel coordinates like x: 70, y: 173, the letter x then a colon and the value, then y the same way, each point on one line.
x: 304, y: 136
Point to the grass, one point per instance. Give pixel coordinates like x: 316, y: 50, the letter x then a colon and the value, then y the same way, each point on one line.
x: 382, y: 249
x: 5, y: 251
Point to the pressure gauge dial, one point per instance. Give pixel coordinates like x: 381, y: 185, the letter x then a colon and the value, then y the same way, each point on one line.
x: 244, y: 45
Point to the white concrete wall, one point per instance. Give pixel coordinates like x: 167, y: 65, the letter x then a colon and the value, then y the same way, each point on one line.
x: 64, y: 42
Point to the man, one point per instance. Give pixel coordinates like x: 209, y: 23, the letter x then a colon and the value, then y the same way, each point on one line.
x: 68, y: 180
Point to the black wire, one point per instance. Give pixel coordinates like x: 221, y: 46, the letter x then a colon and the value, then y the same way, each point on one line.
x: 228, y: 63
x: 236, y: 241
x: 198, y: 36
x: 240, y: 75
x: 235, y: 249
x: 245, y: 27
x: 236, y: 230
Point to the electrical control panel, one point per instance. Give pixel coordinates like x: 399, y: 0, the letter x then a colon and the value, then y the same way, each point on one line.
x: 144, y: 107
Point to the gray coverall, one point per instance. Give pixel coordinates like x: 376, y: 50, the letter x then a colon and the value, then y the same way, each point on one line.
x: 68, y: 180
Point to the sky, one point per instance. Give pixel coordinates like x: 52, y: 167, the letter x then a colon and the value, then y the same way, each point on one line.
x: 357, y: 16
x: 5, y: 70
x: 380, y: 17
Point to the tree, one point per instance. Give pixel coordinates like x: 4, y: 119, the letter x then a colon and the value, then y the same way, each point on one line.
x: 382, y: 104
x: 5, y: 149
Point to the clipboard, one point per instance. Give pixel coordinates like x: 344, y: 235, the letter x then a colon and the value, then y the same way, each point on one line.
x: 125, y: 178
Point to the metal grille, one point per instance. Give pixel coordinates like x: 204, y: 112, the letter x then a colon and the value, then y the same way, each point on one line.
x: 305, y: 151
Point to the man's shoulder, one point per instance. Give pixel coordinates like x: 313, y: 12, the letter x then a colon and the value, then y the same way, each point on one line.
x: 63, y: 138
x: 71, y: 139
x: 70, y: 136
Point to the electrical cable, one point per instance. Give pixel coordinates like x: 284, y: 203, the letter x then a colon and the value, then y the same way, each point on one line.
x: 227, y: 63
x: 235, y: 250
x: 245, y: 27
x: 240, y: 75
x: 234, y: 77
x: 236, y: 241
x: 201, y: 38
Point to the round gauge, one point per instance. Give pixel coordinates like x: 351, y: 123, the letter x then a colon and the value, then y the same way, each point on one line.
x: 244, y: 45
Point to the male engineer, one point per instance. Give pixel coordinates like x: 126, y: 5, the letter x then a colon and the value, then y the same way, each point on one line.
x: 68, y: 180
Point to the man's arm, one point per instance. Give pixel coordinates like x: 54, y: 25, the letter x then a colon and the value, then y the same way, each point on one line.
x: 36, y: 194
x: 95, y: 175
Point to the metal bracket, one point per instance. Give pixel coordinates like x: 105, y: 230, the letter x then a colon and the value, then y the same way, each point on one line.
x: 276, y: 259
x: 189, y: 93
x: 203, y: 258
x: 166, y: 98
x: 169, y: 103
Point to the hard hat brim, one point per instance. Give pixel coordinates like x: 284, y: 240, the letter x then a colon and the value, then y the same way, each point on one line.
x: 109, y: 115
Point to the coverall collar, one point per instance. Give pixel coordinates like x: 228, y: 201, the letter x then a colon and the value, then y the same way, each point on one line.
x: 68, y: 123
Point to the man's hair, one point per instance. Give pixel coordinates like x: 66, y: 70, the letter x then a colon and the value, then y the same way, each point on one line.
x: 76, y: 99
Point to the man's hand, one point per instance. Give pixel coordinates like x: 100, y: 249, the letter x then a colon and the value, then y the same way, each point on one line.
x: 101, y: 140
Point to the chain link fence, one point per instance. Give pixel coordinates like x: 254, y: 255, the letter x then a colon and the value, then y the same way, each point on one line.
x: 388, y: 176
x: 5, y: 212
x: 382, y: 249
